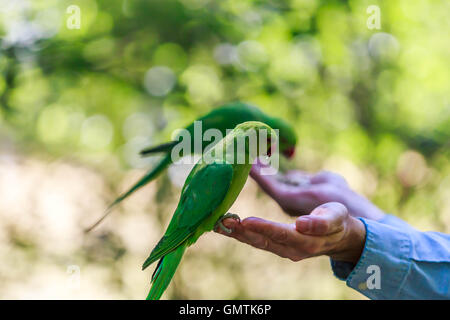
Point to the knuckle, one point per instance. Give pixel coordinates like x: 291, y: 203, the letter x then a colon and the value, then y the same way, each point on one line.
x: 281, y: 236
x: 266, y: 243
x: 312, y: 249
x: 338, y: 209
x: 341, y: 207
x: 283, y: 255
x: 262, y: 244
x: 324, y: 174
x: 330, y: 175
x: 321, y: 226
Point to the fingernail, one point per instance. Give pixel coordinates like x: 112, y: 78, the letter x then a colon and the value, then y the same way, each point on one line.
x: 221, y: 231
x: 229, y: 223
x: 304, y: 224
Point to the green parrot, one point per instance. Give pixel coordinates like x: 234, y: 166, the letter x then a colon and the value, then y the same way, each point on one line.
x: 208, y: 192
x: 222, y: 118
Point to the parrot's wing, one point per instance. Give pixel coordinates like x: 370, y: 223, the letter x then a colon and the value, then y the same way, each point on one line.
x: 206, y: 190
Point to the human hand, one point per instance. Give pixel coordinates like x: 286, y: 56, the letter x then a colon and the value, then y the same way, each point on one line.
x: 327, y: 230
x: 298, y: 192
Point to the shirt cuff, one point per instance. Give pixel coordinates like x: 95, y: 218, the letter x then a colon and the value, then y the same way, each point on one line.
x: 383, y: 265
x: 394, y: 221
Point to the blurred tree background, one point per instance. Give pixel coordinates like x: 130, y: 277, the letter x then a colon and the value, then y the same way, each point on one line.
x: 76, y: 106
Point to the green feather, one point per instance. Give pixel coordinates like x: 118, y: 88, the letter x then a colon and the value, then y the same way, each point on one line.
x: 152, y: 174
x: 205, y: 191
x: 209, y: 191
x: 223, y: 118
x: 165, y: 147
x: 164, y: 272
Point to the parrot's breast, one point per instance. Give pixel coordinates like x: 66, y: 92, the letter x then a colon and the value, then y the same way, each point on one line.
x: 240, y: 175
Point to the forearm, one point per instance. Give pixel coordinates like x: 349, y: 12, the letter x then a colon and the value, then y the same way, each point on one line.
x: 399, y: 263
x: 360, y: 206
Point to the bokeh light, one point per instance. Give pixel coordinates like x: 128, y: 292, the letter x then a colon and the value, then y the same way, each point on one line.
x: 77, y: 106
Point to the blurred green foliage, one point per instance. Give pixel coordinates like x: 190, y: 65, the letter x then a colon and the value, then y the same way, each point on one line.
x: 370, y: 104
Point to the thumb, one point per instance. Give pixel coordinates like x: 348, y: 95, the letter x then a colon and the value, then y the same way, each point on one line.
x: 324, y: 220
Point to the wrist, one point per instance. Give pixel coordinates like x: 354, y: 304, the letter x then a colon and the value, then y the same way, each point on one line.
x: 359, y: 206
x: 351, y: 246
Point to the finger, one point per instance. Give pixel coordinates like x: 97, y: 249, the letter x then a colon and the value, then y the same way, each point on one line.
x: 298, y: 173
x: 324, y: 220
x: 328, y: 177
x: 269, y: 183
x: 278, y: 232
x: 243, y: 234
x: 296, y: 247
x: 229, y: 223
x: 285, y: 239
x: 299, y: 178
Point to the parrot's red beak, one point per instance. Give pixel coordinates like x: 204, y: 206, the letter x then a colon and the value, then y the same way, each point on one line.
x: 289, y: 153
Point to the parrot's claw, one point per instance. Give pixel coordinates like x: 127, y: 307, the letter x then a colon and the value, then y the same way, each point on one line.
x: 226, y: 216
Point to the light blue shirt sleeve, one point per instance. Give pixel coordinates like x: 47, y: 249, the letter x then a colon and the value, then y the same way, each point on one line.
x: 399, y: 262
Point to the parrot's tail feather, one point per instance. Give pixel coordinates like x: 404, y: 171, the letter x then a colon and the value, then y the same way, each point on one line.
x: 164, y: 272
x: 157, y: 268
x: 166, y: 161
x: 165, y: 147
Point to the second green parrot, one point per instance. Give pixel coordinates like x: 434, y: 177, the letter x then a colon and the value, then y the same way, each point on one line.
x: 223, y: 118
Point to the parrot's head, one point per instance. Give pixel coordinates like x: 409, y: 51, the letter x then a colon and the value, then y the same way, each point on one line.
x: 288, y: 138
x: 260, y: 132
